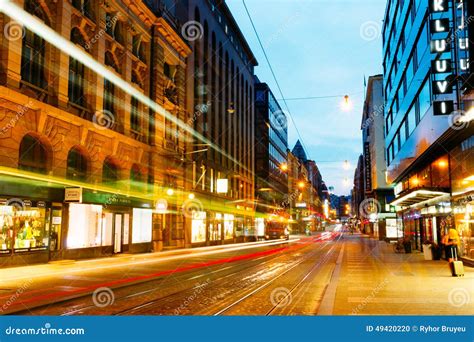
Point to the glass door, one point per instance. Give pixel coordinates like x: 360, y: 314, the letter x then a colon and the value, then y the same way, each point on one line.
x: 118, y: 230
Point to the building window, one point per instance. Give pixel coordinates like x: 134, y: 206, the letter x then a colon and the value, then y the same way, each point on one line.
x: 110, y: 172
x: 424, y: 98
x: 113, y: 27
x: 138, y: 48
x: 109, y: 90
x: 135, y: 115
x: 85, y: 7
x: 76, y: 165
x: 136, y: 79
x: 33, y: 155
x: 76, y: 82
x: 411, y: 120
x: 32, y: 60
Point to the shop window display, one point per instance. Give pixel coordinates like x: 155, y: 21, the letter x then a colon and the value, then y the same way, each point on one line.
x: 216, y: 228
x: 228, y: 226
x: 142, y: 224
x: 198, y: 228
x: 24, y: 228
x: 85, y: 226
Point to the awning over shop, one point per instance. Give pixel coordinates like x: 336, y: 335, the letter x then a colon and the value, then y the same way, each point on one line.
x: 417, y: 197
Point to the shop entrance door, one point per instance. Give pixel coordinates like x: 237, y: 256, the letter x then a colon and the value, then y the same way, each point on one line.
x: 118, y: 232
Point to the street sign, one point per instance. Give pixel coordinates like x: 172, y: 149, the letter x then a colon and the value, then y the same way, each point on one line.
x: 73, y: 195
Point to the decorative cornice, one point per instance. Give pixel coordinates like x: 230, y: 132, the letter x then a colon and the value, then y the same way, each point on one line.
x: 172, y: 37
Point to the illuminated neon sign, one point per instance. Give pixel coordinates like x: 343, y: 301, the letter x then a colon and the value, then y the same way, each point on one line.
x: 442, y: 65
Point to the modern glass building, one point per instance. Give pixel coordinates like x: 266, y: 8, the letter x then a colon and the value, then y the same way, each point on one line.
x: 426, y: 98
x: 271, y: 145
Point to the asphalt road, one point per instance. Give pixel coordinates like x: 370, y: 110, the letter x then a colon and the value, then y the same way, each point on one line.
x: 265, y: 279
x: 326, y: 274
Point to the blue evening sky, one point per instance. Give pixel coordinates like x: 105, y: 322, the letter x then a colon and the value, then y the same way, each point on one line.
x: 318, y: 48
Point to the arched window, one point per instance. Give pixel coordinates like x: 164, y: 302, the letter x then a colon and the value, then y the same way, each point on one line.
x: 76, y: 165
x: 33, y: 155
x: 110, y: 172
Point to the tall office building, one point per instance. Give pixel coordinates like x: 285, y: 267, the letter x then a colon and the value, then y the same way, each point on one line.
x: 428, y: 109
x: 271, y: 145
x: 221, y: 89
x: 378, y: 193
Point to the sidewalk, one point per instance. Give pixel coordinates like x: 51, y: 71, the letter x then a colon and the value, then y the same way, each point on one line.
x: 372, y: 279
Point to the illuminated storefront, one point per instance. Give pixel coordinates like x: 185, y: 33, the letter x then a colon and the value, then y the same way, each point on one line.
x: 463, y: 195
x: 107, y: 224
x: 423, y: 201
x: 30, y: 227
x: 25, y: 226
x: 198, y: 227
x: 215, y: 228
x: 228, y: 226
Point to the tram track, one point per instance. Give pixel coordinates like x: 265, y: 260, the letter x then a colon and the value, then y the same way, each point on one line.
x: 290, y: 292
x: 186, y: 277
x: 153, y: 307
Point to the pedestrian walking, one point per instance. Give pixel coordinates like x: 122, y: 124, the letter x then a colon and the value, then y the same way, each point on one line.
x: 452, y: 242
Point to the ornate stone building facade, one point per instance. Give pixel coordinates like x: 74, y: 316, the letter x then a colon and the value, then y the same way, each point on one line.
x: 82, y: 162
